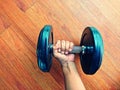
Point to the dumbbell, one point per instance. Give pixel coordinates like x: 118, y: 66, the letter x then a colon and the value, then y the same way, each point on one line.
x: 90, y: 50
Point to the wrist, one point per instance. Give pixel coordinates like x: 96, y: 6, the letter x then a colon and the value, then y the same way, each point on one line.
x: 69, y: 67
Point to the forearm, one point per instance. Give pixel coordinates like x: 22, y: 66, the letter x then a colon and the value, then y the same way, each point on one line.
x: 72, y: 78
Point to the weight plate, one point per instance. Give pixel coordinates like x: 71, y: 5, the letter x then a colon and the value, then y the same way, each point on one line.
x: 91, y: 62
x: 44, y: 54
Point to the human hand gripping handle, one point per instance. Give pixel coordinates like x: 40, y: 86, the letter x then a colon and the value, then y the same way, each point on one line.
x: 61, y: 51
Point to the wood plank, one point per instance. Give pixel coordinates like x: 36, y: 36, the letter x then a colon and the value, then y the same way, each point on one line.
x: 22, y: 63
x: 20, y: 24
x: 5, y: 22
x: 24, y: 4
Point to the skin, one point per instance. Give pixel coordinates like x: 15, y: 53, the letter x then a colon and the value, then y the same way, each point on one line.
x: 72, y: 79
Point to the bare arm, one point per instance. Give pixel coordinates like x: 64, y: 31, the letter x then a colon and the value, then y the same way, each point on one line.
x: 72, y: 78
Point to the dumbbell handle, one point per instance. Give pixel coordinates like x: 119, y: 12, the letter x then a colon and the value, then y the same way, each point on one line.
x: 78, y: 49
x: 82, y: 49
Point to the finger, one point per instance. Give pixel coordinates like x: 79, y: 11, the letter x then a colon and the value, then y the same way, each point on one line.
x: 59, y: 45
x: 63, y: 46
x: 55, y: 47
x: 71, y: 46
x: 56, y: 53
x: 67, y: 47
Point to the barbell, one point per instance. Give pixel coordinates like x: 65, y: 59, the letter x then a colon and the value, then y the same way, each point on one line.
x: 90, y: 50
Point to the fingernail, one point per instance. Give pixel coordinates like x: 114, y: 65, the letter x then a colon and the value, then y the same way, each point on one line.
x: 66, y: 52
x: 59, y: 50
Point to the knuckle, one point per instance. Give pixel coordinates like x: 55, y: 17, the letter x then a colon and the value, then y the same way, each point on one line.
x: 58, y: 41
x: 63, y: 40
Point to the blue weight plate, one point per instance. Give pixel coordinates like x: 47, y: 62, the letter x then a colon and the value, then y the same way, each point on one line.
x: 91, y: 62
x: 44, y: 54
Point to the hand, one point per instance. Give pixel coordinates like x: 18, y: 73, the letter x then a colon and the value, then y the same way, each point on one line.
x: 61, y: 51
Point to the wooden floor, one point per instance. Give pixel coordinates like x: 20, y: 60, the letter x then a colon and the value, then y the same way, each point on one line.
x: 20, y: 24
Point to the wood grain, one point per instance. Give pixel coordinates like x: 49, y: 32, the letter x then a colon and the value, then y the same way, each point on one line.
x: 20, y: 24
